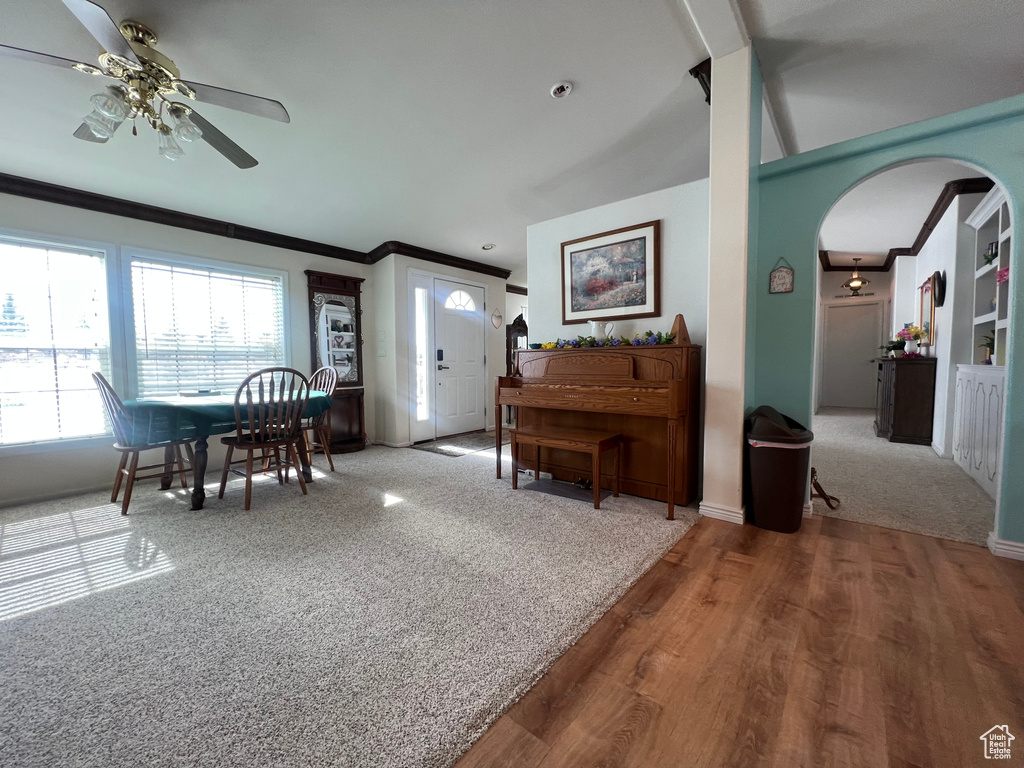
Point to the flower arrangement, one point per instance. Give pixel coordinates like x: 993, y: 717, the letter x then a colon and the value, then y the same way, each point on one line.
x: 1002, y: 275
x: 910, y: 332
x: 650, y: 338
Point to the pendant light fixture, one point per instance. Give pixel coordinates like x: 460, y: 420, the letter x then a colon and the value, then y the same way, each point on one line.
x: 856, y: 282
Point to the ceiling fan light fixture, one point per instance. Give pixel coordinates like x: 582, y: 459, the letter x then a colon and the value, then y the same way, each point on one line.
x: 88, y: 69
x: 185, y: 130
x: 102, y: 127
x: 168, y: 146
x: 110, y: 104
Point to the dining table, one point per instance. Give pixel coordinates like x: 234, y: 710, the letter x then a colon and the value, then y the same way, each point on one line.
x: 197, y: 417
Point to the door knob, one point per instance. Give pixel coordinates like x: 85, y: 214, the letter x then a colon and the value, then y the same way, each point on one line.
x: 442, y: 367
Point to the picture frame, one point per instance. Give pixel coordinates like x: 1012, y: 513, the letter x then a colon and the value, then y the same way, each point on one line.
x: 782, y: 278
x: 926, y: 312
x: 613, y: 275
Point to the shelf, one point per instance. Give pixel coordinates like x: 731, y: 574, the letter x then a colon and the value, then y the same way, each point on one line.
x: 1001, y: 324
x: 987, y: 318
x: 986, y: 269
x: 1006, y: 234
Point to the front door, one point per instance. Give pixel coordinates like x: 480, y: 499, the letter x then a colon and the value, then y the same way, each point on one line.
x: 460, y: 375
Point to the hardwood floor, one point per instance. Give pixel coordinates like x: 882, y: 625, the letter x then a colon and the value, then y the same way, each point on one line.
x: 841, y: 645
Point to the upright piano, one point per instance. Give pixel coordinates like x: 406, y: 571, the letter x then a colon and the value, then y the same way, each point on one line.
x: 648, y: 394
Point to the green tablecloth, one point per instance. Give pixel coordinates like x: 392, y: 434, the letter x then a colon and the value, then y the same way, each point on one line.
x: 180, y: 417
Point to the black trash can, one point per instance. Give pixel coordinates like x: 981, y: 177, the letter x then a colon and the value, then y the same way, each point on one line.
x: 778, y: 457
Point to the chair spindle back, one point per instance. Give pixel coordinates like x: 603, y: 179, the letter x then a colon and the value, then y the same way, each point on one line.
x: 324, y: 380
x: 269, y: 405
x: 117, y: 414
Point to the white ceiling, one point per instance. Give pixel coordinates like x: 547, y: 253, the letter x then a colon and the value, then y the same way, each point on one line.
x: 838, y: 69
x: 431, y: 123
x: 886, y: 211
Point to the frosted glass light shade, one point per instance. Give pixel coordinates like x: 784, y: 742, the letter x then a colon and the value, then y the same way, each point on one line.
x: 102, y: 126
x: 108, y: 106
x: 168, y: 146
x: 186, y: 130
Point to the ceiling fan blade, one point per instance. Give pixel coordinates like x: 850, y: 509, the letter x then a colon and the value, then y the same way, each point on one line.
x: 222, y: 143
x: 103, y: 28
x: 243, y: 102
x: 41, y: 58
x: 85, y: 134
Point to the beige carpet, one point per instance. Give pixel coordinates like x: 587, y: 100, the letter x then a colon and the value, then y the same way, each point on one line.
x: 383, y: 621
x: 895, y: 485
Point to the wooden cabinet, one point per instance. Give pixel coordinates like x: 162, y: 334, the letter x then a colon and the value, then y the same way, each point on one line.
x: 978, y: 422
x: 905, y: 400
x: 335, y: 331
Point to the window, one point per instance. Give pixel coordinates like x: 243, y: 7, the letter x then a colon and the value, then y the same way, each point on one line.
x: 461, y: 301
x: 54, y: 332
x: 204, y: 328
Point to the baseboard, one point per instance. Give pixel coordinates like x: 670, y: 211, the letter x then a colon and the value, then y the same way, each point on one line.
x: 809, y: 508
x: 1013, y: 550
x: 719, y: 512
x: 396, y: 445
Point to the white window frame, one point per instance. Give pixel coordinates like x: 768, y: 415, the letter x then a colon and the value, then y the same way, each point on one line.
x: 131, y: 253
x: 111, y: 262
x: 121, y: 316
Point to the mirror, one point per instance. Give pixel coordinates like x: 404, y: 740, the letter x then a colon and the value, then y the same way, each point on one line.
x: 336, y: 335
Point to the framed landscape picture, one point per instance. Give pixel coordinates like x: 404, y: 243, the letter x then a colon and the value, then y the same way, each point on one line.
x: 612, y: 275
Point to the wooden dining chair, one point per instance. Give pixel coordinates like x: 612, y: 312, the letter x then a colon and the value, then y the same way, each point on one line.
x: 318, y: 428
x: 135, y: 434
x: 268, y: 419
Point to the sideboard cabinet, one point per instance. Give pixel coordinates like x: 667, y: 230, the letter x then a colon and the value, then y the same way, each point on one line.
x: 905, y: 400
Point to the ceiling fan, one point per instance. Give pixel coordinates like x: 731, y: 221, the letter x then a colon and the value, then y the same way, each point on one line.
x: 144, y: 83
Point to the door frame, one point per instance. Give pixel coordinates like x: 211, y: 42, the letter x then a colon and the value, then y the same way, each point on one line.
x: 825, y: 307
x: 418, y: 431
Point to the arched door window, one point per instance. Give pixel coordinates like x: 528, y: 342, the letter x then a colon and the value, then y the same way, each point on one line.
x: 461, y: 301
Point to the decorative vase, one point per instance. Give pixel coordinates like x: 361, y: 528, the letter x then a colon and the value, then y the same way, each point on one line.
x: 911, y: 345
x: 897, y: 353
x: 601, y: 330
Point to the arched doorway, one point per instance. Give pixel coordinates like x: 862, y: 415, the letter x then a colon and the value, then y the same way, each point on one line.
x: 793, y: 197
x: 885, y: 421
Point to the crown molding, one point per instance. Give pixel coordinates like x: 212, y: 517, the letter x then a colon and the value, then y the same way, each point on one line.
x: 509, y: 288
x: 115, y: 206
x: 90, y: 201
x: 435, y: 257
x: 949, y: 193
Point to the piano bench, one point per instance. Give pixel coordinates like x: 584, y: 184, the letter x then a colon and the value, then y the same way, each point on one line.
x: 579, y: 440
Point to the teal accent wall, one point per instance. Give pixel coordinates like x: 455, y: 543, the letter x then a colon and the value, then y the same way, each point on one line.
x: 794, y: 196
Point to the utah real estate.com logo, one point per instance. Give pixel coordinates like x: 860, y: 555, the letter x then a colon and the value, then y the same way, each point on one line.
x: 997, y: 742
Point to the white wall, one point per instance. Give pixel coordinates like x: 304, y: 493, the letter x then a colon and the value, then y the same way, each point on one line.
x: 683, y: 212
x: 55, y: 471
x: 949, y: 249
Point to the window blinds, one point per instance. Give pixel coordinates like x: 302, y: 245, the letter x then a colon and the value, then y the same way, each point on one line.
x: 54, y: 332
x: 199, y: 328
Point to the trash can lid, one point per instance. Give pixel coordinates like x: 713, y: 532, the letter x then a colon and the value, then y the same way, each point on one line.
x: 770, y: 426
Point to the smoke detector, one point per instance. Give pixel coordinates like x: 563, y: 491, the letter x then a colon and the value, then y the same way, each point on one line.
x: 561, y: 90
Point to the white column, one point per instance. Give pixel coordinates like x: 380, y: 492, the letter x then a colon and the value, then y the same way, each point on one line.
x: 727, y: 286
